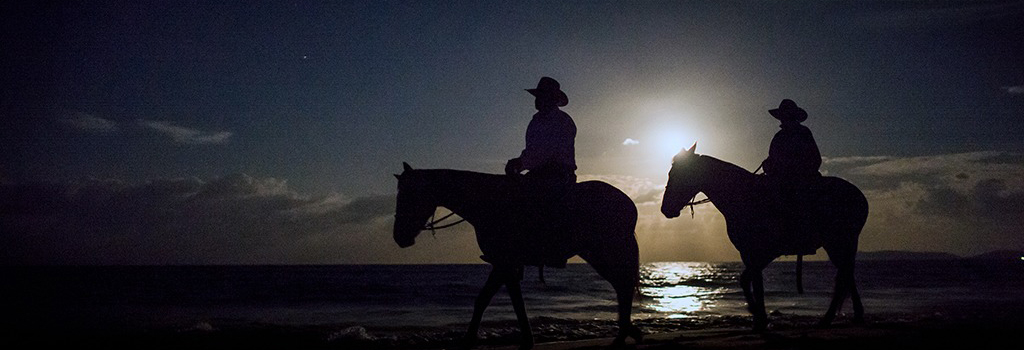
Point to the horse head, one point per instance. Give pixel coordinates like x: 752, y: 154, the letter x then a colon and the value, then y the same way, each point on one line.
x: 414, y: 206
x: 683, y: 182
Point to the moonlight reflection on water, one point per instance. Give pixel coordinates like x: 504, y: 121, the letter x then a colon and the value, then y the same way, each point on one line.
x: 682, y: 289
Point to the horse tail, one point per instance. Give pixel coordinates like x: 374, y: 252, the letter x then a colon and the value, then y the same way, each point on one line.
x: 800, y: 273
x: 636, y: 280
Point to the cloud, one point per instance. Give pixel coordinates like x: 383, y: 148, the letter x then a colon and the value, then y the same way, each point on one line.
x: 989, y: 163
x: 853, y: 160
x: 186, y: 136
x: 653, y: 196
x: 630, y: 142
x: 640, y: 189
x: 89, y: 123
x: 236, y: 219
x: 986, y: 176
x: 964, y: 203
x: 1014, y: 90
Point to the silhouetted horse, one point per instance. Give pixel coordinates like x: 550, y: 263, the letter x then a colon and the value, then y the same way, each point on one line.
x: 837, y: 215
x: 600, y: 222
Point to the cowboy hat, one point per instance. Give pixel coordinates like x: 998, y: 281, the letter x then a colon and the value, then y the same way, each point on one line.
x: 549, y: 88
x: 789, y: 111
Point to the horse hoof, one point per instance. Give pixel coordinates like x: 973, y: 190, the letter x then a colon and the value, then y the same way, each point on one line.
x: 636, y: 334
x: 466, y: 343
x: 627, y: 332
x: 760, y: 326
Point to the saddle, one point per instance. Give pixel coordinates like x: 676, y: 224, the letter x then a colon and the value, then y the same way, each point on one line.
x: 543, y: 220
x: 791, y: 205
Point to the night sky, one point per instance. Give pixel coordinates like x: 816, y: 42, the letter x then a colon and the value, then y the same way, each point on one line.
x: 222, y: 132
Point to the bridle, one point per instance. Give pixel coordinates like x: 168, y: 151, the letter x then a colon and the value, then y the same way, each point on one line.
x: 433, y: 224
x: 692, y: 203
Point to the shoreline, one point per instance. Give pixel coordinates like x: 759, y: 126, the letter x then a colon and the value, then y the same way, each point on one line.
x: 941, y: 305
x: 929, y: 333
x: 894, y: 336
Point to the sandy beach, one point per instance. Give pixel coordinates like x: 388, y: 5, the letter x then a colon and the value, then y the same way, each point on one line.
x: 929, y: 334
x: 848, y: 336
x: 951, y: 305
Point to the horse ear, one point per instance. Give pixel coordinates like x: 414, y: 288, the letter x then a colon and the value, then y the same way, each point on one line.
x: 406, y: 167
x: 693, y: 149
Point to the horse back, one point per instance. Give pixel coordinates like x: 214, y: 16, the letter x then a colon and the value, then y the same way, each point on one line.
x: 593, y: 214
x: 841, y: 203
x: 597, y: 203
x: 843, y: 193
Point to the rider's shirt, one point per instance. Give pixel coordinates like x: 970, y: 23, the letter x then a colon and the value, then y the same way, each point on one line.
x: 550, y: 142
x: 793, y: 152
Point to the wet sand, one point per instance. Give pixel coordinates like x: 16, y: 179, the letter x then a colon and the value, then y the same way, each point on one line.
x: 904, y: 336
x: 901, y: 335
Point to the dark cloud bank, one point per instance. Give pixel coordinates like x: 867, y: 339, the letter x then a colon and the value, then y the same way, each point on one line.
x: 230, y: 220
x: 966, y: 204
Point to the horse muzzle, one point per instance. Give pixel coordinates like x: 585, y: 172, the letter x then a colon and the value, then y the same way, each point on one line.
x: 670, y: 213
x: 405, y: 243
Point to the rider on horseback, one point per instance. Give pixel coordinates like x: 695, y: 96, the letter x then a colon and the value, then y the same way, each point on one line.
x: 549, y: 159
x: 791, y: 169
x: 550, y: 153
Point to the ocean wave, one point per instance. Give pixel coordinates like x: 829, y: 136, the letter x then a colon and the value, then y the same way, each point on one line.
x: 212, y: 334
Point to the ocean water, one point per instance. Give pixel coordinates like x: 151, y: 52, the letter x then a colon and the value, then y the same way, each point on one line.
x: 428, y: 306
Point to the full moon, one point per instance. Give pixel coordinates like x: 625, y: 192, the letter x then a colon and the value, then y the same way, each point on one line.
x: 667, y: 141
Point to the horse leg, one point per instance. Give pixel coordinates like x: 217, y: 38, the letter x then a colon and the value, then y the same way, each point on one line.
x: 748, y: 295
x: 625, y: 286
x: 516, y: 294
x: 858, y: 307
x: 624, y: 280
x: 838, y: 297
x: 760, y: 316
x: 753, y: 290
x: 843, y: 259
x: 494, y: 281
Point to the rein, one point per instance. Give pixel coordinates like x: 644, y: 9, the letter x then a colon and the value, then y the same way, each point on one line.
x: 692, y: 204
x: 433, y: 224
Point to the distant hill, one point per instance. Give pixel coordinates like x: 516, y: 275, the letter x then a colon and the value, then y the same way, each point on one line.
x: 904, y: 255
x: 1006, y: 255
x: 1000, y: 255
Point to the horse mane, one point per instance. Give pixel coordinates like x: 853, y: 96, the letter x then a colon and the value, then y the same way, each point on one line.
x: 469, y: 182
x: 463, y: 174
x: 723, y: 168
